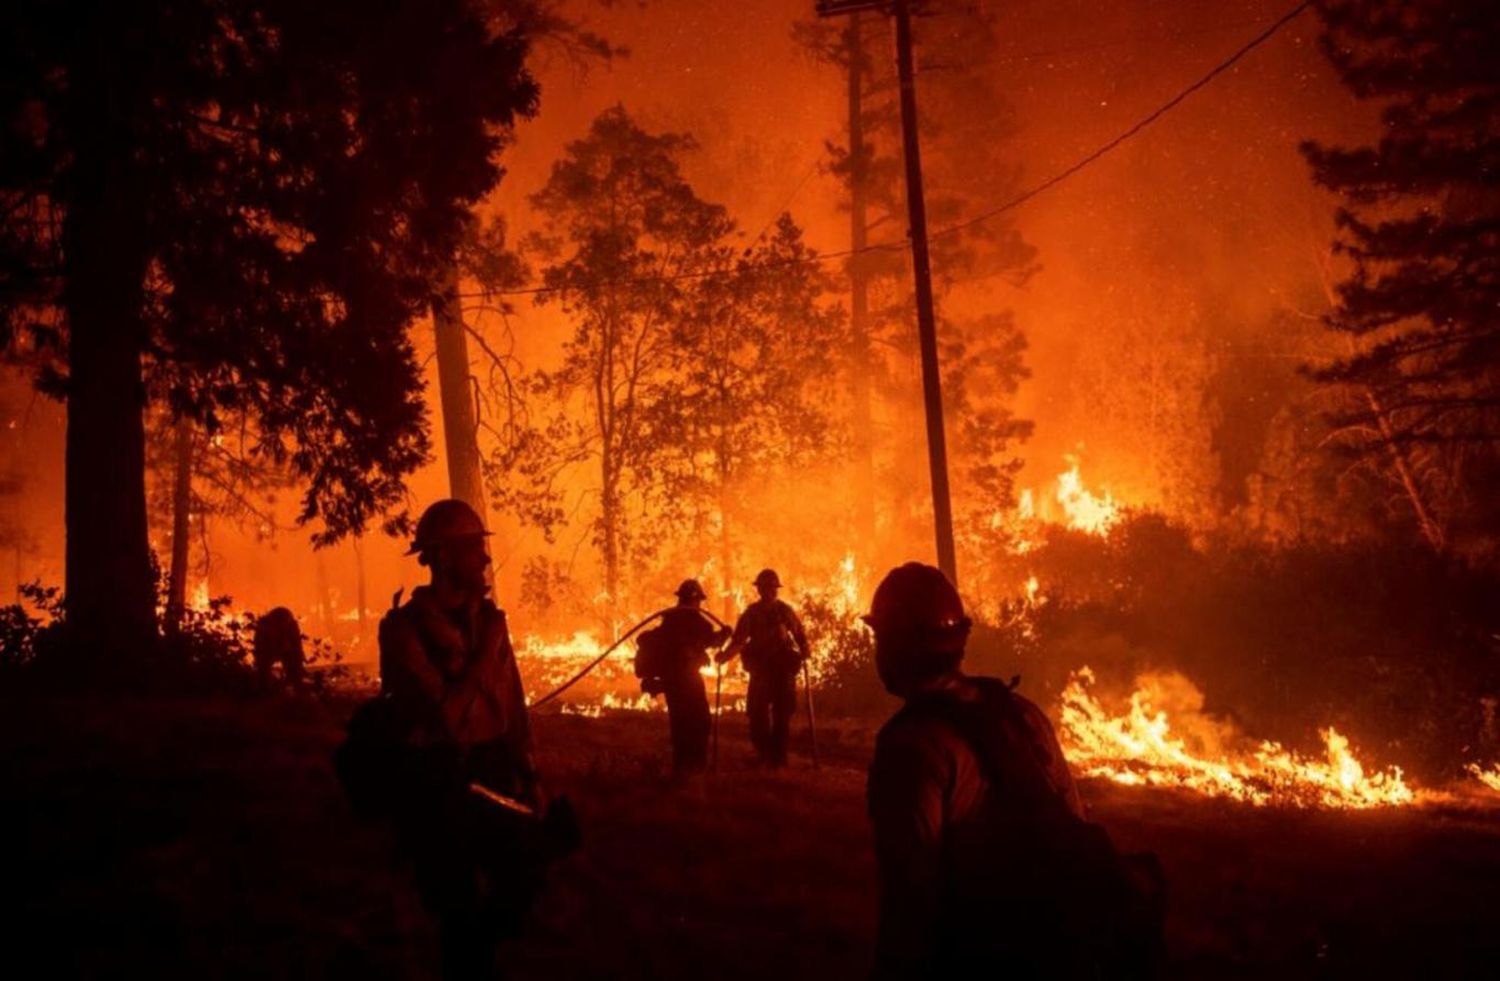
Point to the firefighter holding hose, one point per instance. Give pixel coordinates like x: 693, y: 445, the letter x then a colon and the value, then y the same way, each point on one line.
x: 669, y: 660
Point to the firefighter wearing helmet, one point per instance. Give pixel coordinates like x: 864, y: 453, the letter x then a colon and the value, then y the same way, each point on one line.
x: 668, y: 661
x: 769, y: 638
x: 985, y: 862
x: 449, y: 675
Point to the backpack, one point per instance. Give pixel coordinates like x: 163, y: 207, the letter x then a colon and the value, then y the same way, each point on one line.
x: 650, y: 659
x: 1073, y: 904
x: 773, y: 645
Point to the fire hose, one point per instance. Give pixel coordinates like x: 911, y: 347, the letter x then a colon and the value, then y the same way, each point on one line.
x: 812, y: 722
x: 610, y: 650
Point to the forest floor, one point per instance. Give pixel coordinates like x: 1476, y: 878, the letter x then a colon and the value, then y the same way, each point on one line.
x: 211, y: 840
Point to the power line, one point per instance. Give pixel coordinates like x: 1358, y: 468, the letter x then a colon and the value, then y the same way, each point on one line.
x: 983, y: 216
x: 1161, y: 111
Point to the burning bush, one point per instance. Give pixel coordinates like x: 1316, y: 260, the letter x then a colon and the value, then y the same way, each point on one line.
x: 844, y: 660
x: 1385, y: 642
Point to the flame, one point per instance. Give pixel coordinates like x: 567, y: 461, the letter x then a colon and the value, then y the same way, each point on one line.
x: 1490, y: 777
x: 1026, y: 505
x: 1081, y: 510
x: 582, y: 645
x: 199, y: 599
x: 1141, y: 748
x: 1085, y: 511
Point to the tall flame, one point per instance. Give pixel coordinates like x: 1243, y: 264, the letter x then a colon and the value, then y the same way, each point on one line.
x: 200, y: 599
x: 1085, y: 511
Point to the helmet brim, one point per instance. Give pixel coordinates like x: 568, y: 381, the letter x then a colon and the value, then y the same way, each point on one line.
x: 417, y: 548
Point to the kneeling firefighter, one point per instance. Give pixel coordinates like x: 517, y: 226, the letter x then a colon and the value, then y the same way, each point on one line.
x: 986, y: 864
x: 445, y: 750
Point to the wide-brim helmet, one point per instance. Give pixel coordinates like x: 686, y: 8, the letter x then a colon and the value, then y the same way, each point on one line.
x: 691, y: 589
x: 917, y: 603
x: 767, y: 577
x: 444, y: 523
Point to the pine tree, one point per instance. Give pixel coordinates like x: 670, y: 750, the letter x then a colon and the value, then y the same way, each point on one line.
x: 1420, y: 227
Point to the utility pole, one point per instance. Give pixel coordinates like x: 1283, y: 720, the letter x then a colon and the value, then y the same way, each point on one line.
x: 916, y: 205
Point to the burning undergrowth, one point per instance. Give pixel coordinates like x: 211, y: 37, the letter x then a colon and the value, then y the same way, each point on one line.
x: 1347, y: 675
x: 1163, y: 738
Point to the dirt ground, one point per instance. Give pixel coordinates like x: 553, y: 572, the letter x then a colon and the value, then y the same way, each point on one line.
x: 211, y: 840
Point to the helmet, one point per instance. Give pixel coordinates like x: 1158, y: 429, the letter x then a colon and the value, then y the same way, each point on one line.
x: 691, y: 590
x: 446, y: 521
x: 917, y: 603
x: 767, y: 577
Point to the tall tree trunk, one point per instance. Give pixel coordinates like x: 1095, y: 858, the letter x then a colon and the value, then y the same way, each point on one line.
x: 1431, y: 529
x: 460, y: 422
x: 182, y: 493
x: 859, y: 298
x: 726, y: 545
x: 359, y: 589
x: 325, y: 595
x: 609, y: 517
x: 111, y: 603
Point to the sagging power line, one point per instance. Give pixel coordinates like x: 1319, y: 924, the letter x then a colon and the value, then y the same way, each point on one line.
x: 1009, y: 205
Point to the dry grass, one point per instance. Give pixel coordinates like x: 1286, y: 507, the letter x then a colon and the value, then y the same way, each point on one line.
x: 198, y: 839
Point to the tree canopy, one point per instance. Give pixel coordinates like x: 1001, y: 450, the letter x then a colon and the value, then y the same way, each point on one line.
x: 250, y: 197
x: 1420, y: 227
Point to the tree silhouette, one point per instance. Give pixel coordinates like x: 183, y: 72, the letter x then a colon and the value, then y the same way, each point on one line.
x: 483, y: 257
x: 1420, y: 228
x: 756, y: 359
x: 622, y: 228
x: 258, y: 193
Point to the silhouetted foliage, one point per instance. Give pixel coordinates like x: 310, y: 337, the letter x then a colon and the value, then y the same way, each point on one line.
x: 755, y: 360
x: 1421, y: 227
x: 256, y: 194
x: 23, y: 623
x: 205, y: 651
x: 623, y: 227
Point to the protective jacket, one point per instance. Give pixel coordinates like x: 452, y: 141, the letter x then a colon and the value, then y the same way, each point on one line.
x: 684, y: 636
x: 771, y: 637
x: 985, y: 859
x: 451, y: 676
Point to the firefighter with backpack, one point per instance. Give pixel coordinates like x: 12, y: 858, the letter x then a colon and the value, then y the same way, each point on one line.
x: 668, y: 662
x: 770, y: 639
x: 986, y: 864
